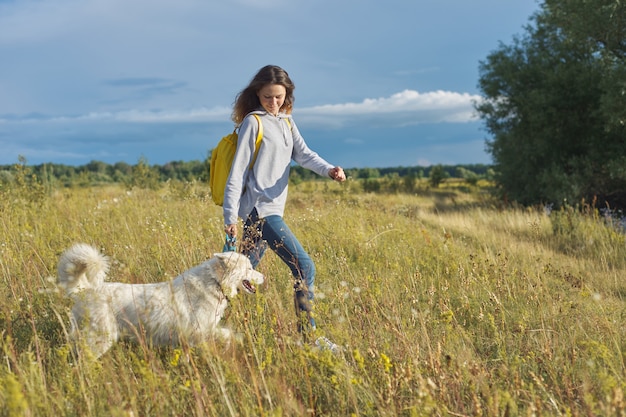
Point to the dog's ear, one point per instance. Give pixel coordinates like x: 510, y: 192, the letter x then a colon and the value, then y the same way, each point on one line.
x: 226, y: 255
x: 225, y: 258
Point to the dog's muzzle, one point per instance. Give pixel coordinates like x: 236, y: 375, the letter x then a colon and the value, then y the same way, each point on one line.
x: 254, y: 278
x: 248, y: 286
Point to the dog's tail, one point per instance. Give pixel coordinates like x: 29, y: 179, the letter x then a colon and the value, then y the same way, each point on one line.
x: 81, y: 267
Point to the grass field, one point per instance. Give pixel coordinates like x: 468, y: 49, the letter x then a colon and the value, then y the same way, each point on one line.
x: 446, y: 304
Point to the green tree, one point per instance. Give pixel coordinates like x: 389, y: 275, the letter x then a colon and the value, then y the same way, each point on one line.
x: 601, y: 25
x: 551, y: 106
x: 409, y: 183
x: 469, y: 176
x: 369, y: 173
x: 437, y: 175
x: 97, y: 167
x: 144, y: 176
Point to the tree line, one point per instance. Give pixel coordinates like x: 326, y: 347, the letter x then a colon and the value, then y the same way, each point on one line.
x: 146, y: 175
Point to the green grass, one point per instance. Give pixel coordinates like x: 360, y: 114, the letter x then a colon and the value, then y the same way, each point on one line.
x: 446, y: 303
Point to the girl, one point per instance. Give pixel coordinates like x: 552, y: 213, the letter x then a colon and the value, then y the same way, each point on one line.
x: 258, y: 193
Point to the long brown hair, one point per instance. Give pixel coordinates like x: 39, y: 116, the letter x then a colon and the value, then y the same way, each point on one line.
x: 247, y: 100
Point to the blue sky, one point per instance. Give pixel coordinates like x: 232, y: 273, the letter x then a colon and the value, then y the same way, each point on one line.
x: 378, y: 83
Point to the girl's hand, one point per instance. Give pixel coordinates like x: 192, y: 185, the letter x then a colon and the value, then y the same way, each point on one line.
x: 337, y: 174
x: 231, y: 230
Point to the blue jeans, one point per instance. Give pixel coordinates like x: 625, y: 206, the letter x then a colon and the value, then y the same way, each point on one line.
x: 272, y: 231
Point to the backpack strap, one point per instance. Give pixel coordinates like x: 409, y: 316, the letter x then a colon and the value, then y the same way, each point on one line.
x: 259, y: 138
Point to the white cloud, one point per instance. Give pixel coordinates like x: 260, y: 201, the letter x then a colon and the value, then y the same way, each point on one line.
x: 405, y: 101
x: 403, y: 108
x: 217, y: 114
x: 406, y: 107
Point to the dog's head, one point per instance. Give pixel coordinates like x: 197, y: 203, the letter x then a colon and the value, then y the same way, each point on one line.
x: 238, y: 274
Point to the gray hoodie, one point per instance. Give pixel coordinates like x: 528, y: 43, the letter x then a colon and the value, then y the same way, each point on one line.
x: 265, y: 185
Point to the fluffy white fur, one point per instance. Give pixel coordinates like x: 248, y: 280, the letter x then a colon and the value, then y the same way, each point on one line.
x: 186, y: 309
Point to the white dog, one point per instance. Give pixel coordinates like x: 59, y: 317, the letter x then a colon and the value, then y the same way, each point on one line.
x: 187, y: 309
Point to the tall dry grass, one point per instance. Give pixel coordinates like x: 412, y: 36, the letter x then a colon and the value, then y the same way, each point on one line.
x: 445, y: 304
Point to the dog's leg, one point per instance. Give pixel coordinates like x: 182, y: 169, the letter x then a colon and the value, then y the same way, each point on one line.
x: 225, y: 336
x: 93, y: 339
x: 95, y: 328
x: 98, y: 340
x: 224, y: 333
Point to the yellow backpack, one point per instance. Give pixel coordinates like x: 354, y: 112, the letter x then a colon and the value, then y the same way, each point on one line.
x: 222, y: 160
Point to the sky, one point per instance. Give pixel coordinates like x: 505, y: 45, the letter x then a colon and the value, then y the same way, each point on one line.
x: 378, y: 83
